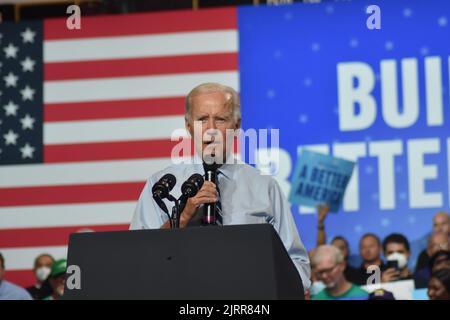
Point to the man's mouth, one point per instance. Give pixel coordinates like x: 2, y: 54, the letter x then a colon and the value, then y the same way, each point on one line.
x: 211, y: 142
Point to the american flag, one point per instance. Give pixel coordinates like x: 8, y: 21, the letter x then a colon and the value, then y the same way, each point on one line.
x: 87, y: 115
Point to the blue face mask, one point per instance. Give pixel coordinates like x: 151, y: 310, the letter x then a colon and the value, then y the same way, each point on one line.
x: 316, y: 287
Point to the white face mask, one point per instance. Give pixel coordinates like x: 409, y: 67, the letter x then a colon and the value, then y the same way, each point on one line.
x: 402, y: 260
x: 42, y: 273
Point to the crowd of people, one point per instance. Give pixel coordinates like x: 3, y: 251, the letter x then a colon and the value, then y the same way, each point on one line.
x: 334, y: 278
x: 50, y: 280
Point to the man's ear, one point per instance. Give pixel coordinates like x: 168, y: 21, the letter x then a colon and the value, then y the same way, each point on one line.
x: 237, y: 126
x: 188, y: 127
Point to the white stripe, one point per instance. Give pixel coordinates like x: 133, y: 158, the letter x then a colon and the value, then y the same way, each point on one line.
x: 169, y: 44
x: 132, y: 87
x: 80, y: 173
x: 23, y: 258
x: 47, y: 216
x: 112, y: 130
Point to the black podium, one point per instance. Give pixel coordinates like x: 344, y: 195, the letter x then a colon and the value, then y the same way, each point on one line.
x: 231, y: 262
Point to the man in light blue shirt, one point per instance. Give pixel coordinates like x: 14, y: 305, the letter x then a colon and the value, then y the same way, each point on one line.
x: 246, y: 195
x: 8, y: 290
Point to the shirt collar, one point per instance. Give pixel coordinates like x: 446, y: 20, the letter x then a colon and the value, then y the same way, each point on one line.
x: 227, y: 169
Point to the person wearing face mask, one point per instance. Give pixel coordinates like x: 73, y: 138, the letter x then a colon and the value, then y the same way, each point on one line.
x: 8, y: 290
x: 396, y: 251
x: 439, y: 285
x: 340, y: 242
x: 57, y: 279
x: 316, y: 284
x: 329, y: 265
x: 42, y: 269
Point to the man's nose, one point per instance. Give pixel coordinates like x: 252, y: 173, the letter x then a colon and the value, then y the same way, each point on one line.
x: 211, y: 124
x: 211, y: 129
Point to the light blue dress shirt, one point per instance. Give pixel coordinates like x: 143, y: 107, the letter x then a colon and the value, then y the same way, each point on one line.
x: 9, y: 291
x: 246, y: 196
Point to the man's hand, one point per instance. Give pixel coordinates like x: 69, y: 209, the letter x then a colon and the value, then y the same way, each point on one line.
x: 207, y: 194
x: 322, y: 211
x: 389, y: 275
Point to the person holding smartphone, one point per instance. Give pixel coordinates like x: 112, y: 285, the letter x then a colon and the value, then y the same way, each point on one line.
x: 397, y: 252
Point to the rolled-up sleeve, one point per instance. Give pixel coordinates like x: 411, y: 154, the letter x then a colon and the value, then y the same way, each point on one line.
x: 147, y: 214
x: 284, y: 224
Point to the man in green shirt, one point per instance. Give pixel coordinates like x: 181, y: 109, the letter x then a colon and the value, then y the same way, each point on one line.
x: 329, y: 265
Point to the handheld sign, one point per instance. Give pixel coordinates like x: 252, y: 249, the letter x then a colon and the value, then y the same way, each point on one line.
x: 320, y: 179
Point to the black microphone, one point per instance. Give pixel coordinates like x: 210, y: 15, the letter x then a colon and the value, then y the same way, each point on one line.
x: 161, y: 189
x: 192, y: 185
x: 190, y: 188
x: 209, y: 210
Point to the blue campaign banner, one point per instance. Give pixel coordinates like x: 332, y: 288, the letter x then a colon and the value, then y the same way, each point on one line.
x: 379, y: 97
x: 320, y: 179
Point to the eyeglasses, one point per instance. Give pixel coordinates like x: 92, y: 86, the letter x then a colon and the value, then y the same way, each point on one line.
x: 441, y: 246
x: 320, y: 273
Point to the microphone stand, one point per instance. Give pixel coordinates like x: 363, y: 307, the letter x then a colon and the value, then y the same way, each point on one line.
x: 176, y: 214
x: 161, y: 204
x: 178, y: 207
x: 174, y: 217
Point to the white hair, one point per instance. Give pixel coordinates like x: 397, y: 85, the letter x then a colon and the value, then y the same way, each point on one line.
x: 442, y: 213
x: 327, y: 251
x: 232, y: 98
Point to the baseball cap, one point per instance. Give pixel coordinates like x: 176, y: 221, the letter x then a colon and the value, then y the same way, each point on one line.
x: 381, y: 294
x: 59, y: 267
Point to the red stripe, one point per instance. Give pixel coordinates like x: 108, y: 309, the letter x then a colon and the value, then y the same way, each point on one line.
x: 114, y: 109
x: 41, y: 237
x: 143, y: 23
x: 22, y: 278
x: 113, y: 150
x: 140, y: 66
x: 121, y: 150
x: 24, y: 196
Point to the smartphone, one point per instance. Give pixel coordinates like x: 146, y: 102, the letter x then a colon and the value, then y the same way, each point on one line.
x: 392, y: 264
